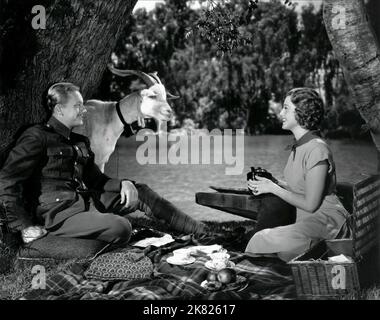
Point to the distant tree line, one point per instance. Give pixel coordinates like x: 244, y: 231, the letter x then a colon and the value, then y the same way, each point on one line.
x: 241, y: 86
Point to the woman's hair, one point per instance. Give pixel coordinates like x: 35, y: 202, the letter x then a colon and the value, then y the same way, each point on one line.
x: 58, y: 93
x: 309, y: 107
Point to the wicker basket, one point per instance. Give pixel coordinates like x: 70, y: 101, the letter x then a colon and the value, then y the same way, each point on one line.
x: 315, y: 277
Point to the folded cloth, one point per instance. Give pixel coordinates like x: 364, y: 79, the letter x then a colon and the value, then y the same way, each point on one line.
x: 120, y: 264
x: 154, y: 241
x: 340, y: 259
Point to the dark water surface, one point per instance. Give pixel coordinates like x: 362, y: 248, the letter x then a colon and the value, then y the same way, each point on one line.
x: 179, y: 183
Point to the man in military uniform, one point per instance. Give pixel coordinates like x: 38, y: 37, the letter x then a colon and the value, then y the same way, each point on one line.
x: 55, y: 166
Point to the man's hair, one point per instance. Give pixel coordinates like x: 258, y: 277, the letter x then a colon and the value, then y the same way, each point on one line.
x: 309, y: 109
x: 58, y: 93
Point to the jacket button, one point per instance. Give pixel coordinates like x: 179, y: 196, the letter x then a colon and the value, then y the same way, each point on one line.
x: 57, y: 199
x: 61, y: 153
x: 75, y: 163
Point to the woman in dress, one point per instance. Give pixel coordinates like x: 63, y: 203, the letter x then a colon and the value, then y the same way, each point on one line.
x: 309, y: 185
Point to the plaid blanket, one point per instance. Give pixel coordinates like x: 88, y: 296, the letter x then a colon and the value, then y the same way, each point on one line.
x: 267, y: 278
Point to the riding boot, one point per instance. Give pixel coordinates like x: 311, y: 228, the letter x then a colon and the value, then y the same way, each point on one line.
x: 156, y: 206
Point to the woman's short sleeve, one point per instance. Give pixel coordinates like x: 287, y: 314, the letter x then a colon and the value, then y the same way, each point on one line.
x: 320, y: 152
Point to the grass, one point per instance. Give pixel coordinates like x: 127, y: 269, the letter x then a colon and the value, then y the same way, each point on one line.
x: 372, y: 293
x: 16, y: 278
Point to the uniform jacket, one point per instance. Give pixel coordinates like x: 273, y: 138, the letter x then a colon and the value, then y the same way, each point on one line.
x: 43, y: 173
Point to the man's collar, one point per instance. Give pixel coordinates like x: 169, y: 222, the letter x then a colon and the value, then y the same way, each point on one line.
x: 59, y: 127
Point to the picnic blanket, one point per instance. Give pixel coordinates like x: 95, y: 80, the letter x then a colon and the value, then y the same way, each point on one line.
x: 267, y: 278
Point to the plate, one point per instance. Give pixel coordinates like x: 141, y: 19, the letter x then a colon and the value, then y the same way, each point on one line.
x: 210, y: 265
x: 172, y: 260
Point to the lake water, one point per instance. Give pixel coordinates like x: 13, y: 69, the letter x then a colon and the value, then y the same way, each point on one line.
x: 179, y: 183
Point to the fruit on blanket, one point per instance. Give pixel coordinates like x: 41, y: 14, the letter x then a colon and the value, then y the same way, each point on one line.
x: 211, y: 285
x: 226, y: 275
x: 212, y: 276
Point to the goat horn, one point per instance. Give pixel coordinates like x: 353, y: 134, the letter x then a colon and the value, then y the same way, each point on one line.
x: 168, y: 94
x: 149, y: 81
x: 155, y: 76
x: 171, y: 96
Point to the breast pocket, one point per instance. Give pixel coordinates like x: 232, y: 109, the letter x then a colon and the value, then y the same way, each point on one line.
x: 60, y: 160
x: 49, y: 198
x: 83, y: 152
x: 54, y: 202
x: 60, y: 152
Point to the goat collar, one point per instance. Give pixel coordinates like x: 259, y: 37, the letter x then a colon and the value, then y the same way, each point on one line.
x: 128, y: 128
x: 121, y: 117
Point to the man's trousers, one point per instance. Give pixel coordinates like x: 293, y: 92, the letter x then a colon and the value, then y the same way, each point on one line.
x: 105, y: 218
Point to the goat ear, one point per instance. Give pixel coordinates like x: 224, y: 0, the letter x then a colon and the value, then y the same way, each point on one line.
x: 148, y: 93
x: 170, y: 96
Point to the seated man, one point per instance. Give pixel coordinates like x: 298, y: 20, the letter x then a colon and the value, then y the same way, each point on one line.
x: 75, y: 199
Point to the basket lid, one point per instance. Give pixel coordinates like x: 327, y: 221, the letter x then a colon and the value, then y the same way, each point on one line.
x: 366, y: 207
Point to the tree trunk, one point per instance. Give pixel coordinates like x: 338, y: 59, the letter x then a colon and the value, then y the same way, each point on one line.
x: 357, y: 49
x: 75, y: 47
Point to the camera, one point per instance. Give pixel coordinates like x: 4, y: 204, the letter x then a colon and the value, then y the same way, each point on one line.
x: 260, y: 172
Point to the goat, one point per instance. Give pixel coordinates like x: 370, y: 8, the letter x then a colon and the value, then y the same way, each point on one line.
x: 104, y: 122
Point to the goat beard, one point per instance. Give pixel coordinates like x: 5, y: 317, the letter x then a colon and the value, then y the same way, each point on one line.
x: 141, y: 121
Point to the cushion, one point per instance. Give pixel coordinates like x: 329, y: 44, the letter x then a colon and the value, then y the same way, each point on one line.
x: 49, y: 246
x: 56, y: 247
x: 120, y: 264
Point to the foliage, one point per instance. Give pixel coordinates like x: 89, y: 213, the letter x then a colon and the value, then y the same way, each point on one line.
x: 220, y: 24
x: 230, y: 60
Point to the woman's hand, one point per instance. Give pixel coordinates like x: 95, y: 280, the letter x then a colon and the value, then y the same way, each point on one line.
x: 129, y: 194
x: 282, y: 184
x: 262, y: 185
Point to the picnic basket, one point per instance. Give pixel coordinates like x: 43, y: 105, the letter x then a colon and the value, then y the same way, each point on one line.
x: 317, y: 278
